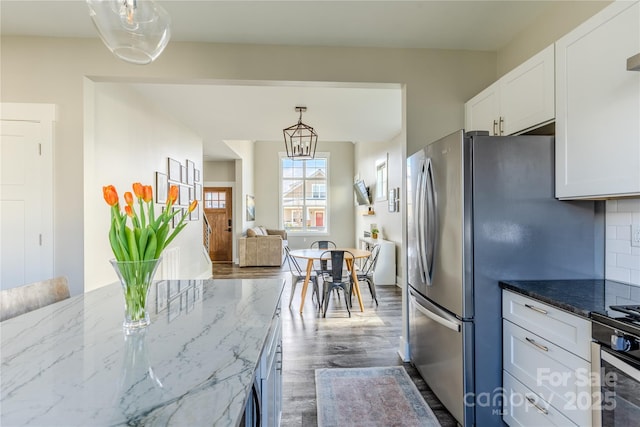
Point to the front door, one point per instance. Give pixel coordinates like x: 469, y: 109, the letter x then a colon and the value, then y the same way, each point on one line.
x: 217, y: 209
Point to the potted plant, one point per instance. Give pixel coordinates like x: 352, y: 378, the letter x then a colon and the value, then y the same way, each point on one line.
x: 374, y: 233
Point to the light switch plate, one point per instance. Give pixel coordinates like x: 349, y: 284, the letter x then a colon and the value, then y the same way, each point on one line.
x: 635, y: 235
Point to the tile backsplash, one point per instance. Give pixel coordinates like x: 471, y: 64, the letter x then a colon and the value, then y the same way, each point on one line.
x: 622, y: 260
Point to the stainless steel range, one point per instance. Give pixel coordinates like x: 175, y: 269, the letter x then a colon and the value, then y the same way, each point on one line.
x: 616, y: 355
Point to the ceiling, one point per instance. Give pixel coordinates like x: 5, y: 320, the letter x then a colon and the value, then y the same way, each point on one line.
x: 226, y: 111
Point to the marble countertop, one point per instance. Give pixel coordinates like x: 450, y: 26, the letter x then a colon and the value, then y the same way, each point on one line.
x: 71, y: 364
x: 581, y: 297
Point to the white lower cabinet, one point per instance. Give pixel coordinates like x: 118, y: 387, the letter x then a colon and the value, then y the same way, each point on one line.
x: 524, y: 408
x: 271, y: 375
x: 547, y: 381
x: 264, y: 403
x: 385, y: 271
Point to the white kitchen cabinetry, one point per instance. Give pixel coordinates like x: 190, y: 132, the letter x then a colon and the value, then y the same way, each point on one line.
x: 271, y: 375
x: 522, y: 99
x: 546, y: 364
x: 598, y: 106
x: 385, y: 271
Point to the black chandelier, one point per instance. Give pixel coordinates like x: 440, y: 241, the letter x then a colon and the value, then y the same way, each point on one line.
x: 300, y: 140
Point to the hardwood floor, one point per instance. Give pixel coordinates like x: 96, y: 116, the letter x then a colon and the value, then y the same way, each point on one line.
x: 369, y: 338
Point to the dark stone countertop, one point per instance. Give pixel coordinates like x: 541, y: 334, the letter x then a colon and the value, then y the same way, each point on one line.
x: 581, y: 297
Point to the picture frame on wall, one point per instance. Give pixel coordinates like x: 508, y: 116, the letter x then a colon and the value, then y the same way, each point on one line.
x: 197, y: 175
x: 176, y: 217
x: 162, y: 188
x: 174, y: 168
x: 394, y: 200
x: 198, y: 192
x: 183, y: 198
x: 190, y: 172
x: 183, y: 174
x: 195, y: 214
x: 251, y: 208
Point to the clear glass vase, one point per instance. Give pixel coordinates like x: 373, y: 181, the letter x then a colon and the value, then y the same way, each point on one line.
x: 136, y: 278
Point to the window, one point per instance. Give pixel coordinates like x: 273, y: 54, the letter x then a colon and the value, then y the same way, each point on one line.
x: 214, y: 199
x: 303, y: 196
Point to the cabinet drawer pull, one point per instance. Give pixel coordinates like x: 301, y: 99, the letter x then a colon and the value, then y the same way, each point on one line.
x: 540, y: 346
x: 539, y: 310
x: 535, y: 405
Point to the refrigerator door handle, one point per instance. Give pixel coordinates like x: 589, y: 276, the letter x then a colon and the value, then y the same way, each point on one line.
x: 419, y: 215
x: 431, y: 232
x: 454, y: 325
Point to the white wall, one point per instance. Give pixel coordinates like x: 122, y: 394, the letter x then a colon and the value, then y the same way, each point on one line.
x: 127, y: 141
x: 51, y: 70
x: 560, y: 18
x: 244, y: 179
x: 219, y: 171
x: 341, y: 209
x: 367, y: 154
x: 622, y: 259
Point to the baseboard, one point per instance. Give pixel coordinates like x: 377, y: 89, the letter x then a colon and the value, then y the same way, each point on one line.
x: 403, y: 350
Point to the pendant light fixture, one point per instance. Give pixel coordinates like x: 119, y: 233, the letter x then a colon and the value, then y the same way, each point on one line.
x: 136, y: 31
x: 300, y: 140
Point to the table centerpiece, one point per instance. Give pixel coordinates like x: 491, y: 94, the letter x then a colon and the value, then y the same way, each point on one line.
x: 138, y: 248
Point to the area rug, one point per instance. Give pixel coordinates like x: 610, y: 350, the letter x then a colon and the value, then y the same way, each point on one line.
x: 385, y: 397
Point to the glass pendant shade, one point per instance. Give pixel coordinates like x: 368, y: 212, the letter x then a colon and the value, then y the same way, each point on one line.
x: 136, y: 31
x: 300, y: 140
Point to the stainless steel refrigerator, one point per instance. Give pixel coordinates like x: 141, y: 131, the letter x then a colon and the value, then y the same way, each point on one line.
x: 481, y: 209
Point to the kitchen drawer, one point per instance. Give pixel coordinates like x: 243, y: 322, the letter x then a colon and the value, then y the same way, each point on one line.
x: 519, y: 409
x: 558, y: 326
x: 553, y: 373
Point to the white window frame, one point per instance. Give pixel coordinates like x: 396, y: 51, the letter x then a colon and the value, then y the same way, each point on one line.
x: 305, y: 232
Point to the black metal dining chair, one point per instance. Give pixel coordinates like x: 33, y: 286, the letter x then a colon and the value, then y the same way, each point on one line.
x: 298, y: 275
x: 337, y: 277
x: 366, y: 272
x: 323, y: 264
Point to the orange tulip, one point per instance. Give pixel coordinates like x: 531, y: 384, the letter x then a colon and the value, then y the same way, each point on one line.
x: 148, y: 193
x: 193, y: 205
x: 110, y: 195
x: 138, y: 190
x: 173, y: 194
x: 128, y: 197
x: 129, y: 211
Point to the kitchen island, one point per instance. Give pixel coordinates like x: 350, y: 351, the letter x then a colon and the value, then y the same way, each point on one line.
x: 71, y: 364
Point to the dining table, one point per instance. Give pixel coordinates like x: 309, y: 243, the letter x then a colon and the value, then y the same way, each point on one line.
x: 313, y: 255
x: 70, y: 363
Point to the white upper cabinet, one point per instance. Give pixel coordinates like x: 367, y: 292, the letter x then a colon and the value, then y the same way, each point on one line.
x: 598, y: 106
x: 522, y: 99
x: 482, y: 112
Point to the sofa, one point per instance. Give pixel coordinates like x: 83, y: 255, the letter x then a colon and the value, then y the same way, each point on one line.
x: 262, y: 247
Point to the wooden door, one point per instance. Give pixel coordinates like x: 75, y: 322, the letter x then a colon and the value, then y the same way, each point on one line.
x: 217, y: 208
